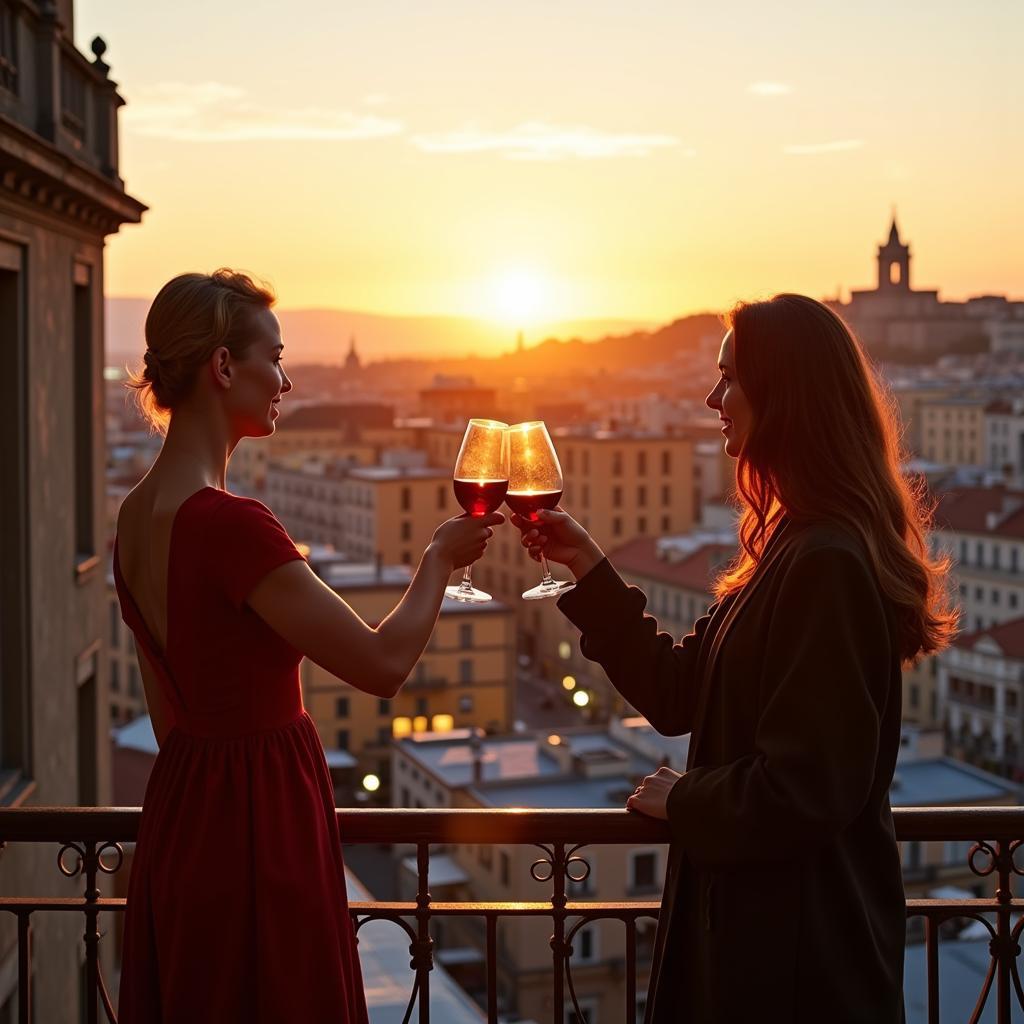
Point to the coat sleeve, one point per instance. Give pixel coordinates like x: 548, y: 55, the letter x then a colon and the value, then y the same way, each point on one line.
x: 827, y: 670
x: 654, y: 673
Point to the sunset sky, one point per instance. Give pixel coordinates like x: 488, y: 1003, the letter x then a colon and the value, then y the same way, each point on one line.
x: 566, y: 159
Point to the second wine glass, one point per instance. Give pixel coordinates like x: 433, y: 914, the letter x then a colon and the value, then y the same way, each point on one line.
x: 535, y: 483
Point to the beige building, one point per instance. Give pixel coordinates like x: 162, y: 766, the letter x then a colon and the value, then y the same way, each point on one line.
x: 383, y: 513
x: 464, y: 678
x: 60, y: 197
x: 1004, y: 440
x: 574, y: 768
x: 953, y: 431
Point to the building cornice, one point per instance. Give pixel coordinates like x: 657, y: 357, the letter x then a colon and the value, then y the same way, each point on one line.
x: 33, y: 171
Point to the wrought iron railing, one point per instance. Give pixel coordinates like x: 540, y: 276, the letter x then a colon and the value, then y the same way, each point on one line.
x: 88, y: 842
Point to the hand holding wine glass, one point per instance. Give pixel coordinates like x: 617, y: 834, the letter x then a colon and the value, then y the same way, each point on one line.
x: 462, y: 541
x: 535, y: 483
x: 558, y: 537
x: 481, y: 480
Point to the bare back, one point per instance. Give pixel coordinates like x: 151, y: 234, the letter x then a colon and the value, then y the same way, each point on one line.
x: 144, y: 524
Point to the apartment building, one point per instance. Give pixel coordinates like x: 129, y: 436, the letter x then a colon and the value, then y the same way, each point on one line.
x: 381, y: 512
x: 464, y: 678
x: 1004, y: 440
x: 61, y: 196
x: 953, y: 430
x: 981, y: 688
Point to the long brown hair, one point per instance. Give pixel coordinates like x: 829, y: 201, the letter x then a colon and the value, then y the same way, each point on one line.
x: 825, y: 446
x: 191, y: 317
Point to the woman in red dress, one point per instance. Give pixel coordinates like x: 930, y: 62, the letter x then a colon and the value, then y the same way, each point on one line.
x: 236, y: 903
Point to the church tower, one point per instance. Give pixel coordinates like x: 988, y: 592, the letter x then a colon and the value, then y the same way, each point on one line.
x: 352, y: 363
x: 894, y: 263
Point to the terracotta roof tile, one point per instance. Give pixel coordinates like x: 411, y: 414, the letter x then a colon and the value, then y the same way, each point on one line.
x: 1009, y: 636
x: 692, y: 572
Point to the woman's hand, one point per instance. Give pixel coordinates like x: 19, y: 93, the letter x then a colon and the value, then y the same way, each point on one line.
x: 561, y: 539
x: 462, y: 540
x: 651, y: 796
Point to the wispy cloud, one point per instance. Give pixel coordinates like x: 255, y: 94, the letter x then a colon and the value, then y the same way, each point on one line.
x: 769, y: 88
x: 814, y: 148
x: 216, y: 112
x: 537, y: 140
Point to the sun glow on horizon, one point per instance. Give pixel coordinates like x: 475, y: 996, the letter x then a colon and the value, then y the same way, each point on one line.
x: 521, y: 296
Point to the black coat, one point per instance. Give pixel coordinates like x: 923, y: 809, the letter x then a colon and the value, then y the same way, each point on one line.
x: 784, y: 895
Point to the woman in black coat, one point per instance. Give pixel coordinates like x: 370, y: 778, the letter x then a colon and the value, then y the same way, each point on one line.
x: 784, y: 897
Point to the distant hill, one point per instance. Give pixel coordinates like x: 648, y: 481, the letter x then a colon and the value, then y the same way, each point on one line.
x: 322, y: 335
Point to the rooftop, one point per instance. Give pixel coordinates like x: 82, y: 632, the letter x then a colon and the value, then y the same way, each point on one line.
x: 691, y: 561
x: 943, y: 781
x: 997, y: 510
x: 1008, y: 637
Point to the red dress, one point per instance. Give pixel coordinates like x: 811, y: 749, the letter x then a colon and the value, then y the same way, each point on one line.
x: 236, y: 901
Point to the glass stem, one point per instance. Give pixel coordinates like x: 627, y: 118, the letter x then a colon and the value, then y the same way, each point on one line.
x: 467, y: 580
x: 547, y: 572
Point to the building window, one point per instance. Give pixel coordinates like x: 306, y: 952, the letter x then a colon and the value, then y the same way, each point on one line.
x: 341, y: 707
x: 406, y: 558
x: 641, y: 463
x: 585, y: 944
x: 342, y: 739
x: 383, y: 706
x: 466, y: 635
x: 586, y: 496
x: 641, y: 525
x: 641, y: 496
x: 406, y: 499
x: 88, y: 734
x: 616, y: 527
x: 406, y: 530
x: 504, y: 868
x: 115, y: 676
x: 84, y: 404
x: 442, y: 498
x: 643, y: 872
x: 616, y: 497
x: 616, y: 463
x: 465, y: 704
x: 115, y: 625
x: 915, y: 695
x: 586, y: 462
x: 421, y: 706
x: 666, y: 524
x: 466, y: 670
x: 666, y: 494
x: 485, y: 856
x: 384, y: 735
x: 8, y: 51
x: 133, y: 680
x: 666, y: 462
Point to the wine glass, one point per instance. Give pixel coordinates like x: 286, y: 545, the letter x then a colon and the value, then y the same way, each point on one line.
x: 535, y: 482
x: 480, y: 481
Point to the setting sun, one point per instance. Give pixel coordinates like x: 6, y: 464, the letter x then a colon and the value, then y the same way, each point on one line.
x: 520, y: 296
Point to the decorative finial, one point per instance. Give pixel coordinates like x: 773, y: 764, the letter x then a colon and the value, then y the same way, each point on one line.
x: 99, y: 47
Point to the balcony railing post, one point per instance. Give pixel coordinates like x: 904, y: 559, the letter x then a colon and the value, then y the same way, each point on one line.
x: 92, y: 935
x: 630, y: 923
x: 25, y: 967
x: 1006, y: 948
x: 423, y: 949
x: 560, y: 951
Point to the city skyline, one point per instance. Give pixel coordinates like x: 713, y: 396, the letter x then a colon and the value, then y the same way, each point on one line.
x: 584, y: 162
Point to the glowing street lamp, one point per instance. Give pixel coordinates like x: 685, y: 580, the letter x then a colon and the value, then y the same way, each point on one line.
x: 371, y: 783
x: 569, y: 682
x: 581, y: 698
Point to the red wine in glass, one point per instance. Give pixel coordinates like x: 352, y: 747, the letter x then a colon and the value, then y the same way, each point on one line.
x: 480, y: 497
x: 528, y: 503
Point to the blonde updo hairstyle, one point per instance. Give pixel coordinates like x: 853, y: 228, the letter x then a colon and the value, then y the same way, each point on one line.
x: 191, y: 317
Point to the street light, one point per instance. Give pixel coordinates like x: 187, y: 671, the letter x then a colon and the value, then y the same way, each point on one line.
x: 569, y: 682
x: 371, y: 783
x: 581, y: 698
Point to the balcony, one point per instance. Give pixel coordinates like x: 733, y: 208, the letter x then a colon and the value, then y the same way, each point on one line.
x: 87, y: 843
